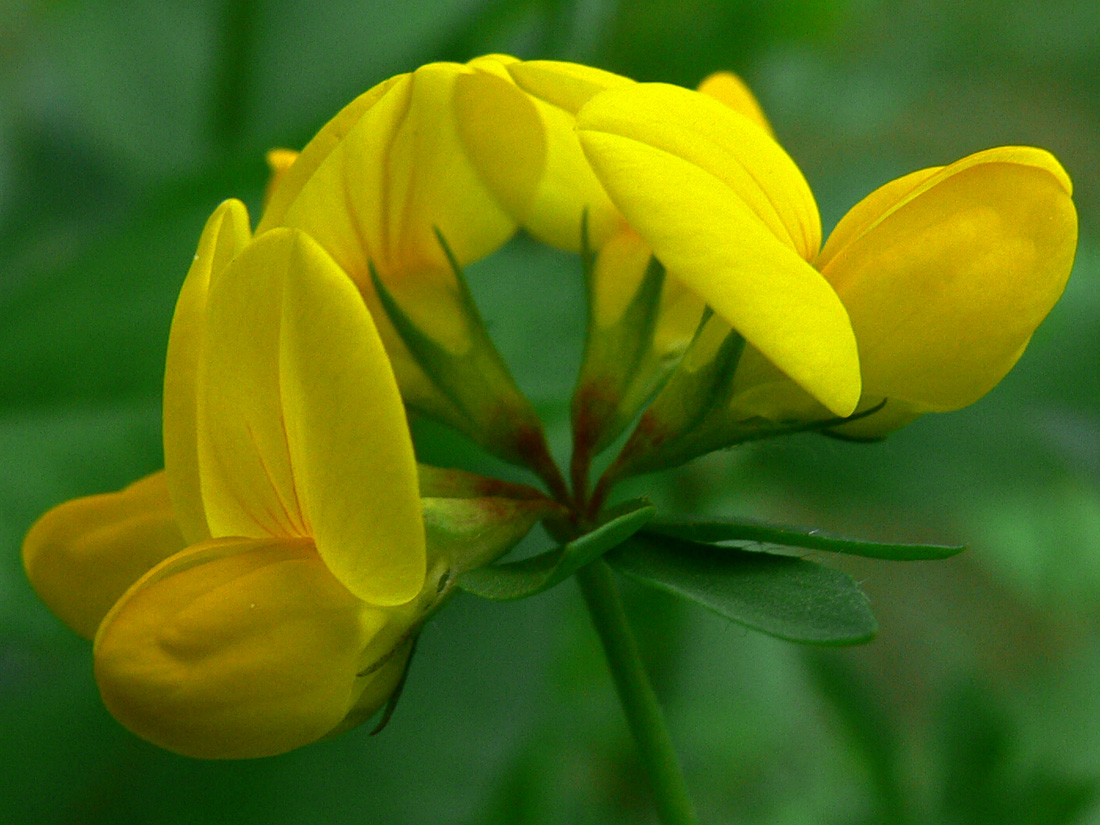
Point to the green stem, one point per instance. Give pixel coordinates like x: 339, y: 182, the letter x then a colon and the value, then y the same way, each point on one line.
x: 674, y: 805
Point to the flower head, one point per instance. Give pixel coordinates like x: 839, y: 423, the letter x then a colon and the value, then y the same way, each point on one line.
x: 266, y: 589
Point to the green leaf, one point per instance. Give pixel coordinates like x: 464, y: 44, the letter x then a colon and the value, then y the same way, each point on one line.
x: 756, y: 536
x: 528, y: 577
x: 782, y: 596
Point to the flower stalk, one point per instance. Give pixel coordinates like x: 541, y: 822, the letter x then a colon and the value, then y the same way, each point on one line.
x: 643, y: 714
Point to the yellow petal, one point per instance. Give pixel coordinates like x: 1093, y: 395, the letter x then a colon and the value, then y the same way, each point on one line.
x: 278, y: 162
x: 617, y: 274
x: 244, y: 462
x: 83, y: 554
x: 870, y: 211
x: 567, y: 86
x: 302, y: 431
x: 732, y: 91
x: 432, y: 183
x: 717, y: 140
x: 235, y: 649
x: 342, y: 206
x: 353, y: 460
x: 225, y: 234
x: 398, y: 174
x: 945, y: 289
x: 709, y: 203
x: 877, y: 206
x: 502, y: 134
x: 567, y: 189
x: 316, y: 151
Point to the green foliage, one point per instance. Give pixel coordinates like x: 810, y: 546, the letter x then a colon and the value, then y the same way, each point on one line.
x: 783, y: 596
x: 751, y: 535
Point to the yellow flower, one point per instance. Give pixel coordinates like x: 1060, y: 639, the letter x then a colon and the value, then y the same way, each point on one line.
x: 613, y: 382
x: 942, y: 275
x: 768, y: 292
x: 288, y: 615
x: 622, y: 254
x: 420, y: 176
x: 945, y: 274
x: 390, y: 171
x: 725, y: 209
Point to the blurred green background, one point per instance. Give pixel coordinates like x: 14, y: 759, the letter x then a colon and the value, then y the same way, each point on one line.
x: 124, y: 122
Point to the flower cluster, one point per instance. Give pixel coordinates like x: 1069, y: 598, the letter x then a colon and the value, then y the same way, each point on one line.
x: 266, y: 589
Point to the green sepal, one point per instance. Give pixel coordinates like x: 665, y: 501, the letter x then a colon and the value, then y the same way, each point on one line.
x: 519, y: 579
x: 687, y: 418
x: 783, y: 596
x: 391, y: 704
x: 853, y: 439
x: 440, y: 482
x: 672, y: 432
x: 620, y: 369
x: 692, y: 395
x: 484, y: 402
x: 467, y: 533
x: 760, y: 537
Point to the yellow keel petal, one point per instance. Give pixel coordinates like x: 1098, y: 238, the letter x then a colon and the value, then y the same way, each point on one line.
x: 235, y: 649
x: 83, y: 554
x: 247, y: 480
